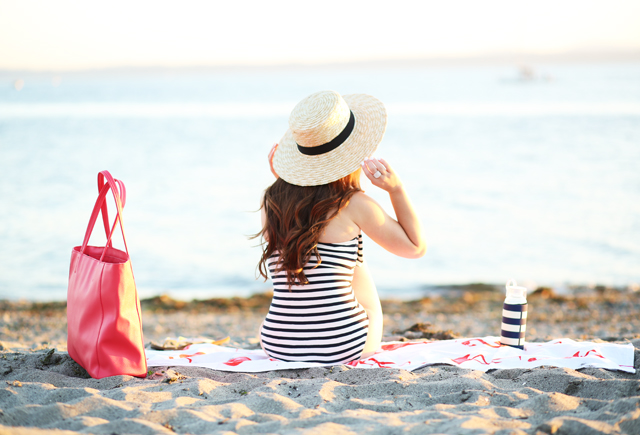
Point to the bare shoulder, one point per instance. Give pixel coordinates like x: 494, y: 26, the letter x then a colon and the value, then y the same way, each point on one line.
x: 361, y: 203
x: 361, y: 200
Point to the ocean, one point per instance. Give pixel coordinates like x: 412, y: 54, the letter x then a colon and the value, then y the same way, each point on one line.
x: 534, y: 177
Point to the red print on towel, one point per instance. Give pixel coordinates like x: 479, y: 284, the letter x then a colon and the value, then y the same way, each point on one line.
x: 466, y: 358
x: 468, y: 343
x: 382, y: 364
x: 395, y: 346
x: 237, y: 361
x: 577, y: 354
x: 368, y: 362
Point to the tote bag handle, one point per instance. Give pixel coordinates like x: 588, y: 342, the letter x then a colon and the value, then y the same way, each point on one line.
x: 122, y: 191
x: 100, y: 205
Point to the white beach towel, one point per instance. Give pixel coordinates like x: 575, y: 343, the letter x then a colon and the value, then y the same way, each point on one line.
x: 469, y: 353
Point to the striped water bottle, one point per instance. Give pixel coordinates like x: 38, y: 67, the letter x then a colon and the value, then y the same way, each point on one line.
x: 514, y: 316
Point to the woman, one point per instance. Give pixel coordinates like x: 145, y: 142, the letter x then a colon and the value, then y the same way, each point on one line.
x: 325, y: 306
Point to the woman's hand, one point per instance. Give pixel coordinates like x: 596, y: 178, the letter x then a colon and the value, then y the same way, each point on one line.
x: 271, y: 154
x: 380, y: 173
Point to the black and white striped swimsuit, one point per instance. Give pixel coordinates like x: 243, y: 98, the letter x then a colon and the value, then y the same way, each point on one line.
x: 320, y: 321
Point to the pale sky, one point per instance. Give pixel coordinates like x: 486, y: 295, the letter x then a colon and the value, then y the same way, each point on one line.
x: 76, y: 35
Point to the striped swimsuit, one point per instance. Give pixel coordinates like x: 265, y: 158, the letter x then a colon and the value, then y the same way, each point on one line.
x: 320, y: 321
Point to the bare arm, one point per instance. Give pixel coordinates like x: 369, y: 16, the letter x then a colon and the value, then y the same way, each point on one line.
x: 367, y: 296
x: 402, y: 237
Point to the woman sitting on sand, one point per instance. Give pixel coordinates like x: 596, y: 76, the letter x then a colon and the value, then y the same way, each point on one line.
x: 325, y: 306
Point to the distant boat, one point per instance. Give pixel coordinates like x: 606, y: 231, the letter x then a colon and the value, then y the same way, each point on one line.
x: 526, y: 73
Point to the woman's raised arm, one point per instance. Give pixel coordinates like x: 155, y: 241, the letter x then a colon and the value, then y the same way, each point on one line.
x: 402, y: 237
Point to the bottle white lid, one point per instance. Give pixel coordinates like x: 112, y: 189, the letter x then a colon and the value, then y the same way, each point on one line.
x: 514, y: 291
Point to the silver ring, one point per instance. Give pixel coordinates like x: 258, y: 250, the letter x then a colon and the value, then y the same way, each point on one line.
x: 377, y: 174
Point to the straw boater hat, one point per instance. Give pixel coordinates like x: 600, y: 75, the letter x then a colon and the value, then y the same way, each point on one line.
x: 329, y: 136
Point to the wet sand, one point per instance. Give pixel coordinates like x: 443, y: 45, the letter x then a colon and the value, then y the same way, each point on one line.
x: 43, y: 389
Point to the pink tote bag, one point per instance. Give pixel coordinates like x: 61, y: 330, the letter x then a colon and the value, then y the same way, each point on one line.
x: 104, y: 324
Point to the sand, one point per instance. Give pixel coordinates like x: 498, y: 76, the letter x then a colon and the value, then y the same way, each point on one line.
x: 43, y: 390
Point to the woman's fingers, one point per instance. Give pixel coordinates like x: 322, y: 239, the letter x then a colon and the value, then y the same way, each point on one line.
x: 378, y: 164
x: 369, y: 170
x: 370, y: 164
x: 374, y: 166
x: 379, y: 172
x: 385, y: 164
x: 365, y: 170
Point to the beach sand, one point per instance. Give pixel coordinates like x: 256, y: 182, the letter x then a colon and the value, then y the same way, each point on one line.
x: 42, y: 390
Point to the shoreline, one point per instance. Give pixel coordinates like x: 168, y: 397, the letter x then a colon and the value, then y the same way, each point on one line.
x: 417, y: 292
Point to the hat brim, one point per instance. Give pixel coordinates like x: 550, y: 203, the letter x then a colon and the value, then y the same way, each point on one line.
x: 304, y: 170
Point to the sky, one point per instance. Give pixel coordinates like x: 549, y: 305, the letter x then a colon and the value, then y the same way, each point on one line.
x: 66, y: 35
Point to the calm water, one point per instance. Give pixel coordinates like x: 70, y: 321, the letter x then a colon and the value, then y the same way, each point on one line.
x: 536, y: 180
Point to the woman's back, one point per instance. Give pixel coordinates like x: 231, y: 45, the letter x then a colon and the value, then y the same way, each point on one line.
x: 321, y: 320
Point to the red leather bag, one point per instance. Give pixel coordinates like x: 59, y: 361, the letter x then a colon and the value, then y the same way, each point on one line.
x: 104, y: 324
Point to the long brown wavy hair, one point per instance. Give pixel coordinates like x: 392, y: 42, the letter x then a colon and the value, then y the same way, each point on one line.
x: 296, y: 217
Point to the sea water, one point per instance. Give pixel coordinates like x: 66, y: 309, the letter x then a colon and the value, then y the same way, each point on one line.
x: 536, y: 179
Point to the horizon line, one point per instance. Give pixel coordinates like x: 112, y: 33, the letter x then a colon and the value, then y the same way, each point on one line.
x: 513, y: 58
